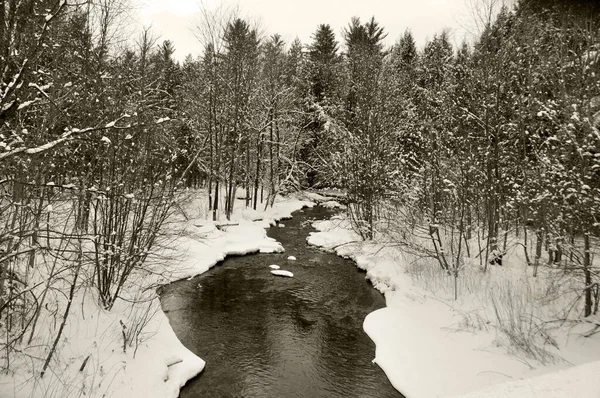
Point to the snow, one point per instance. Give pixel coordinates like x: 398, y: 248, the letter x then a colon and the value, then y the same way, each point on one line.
x: 160, y: 365
x: 95, y: 333
x: 207, y: 245
x: 577, y: 381
x: 431, y: 346
x: 314, y: 196
x: 331, y: 204
x: 423, y: 357
x: 421, y: 341
x: 590, y: 56
x: 25, y: 104
x: 282, y: 273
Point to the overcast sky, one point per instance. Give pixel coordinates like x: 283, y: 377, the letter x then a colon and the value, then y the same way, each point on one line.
x: 175, y: 19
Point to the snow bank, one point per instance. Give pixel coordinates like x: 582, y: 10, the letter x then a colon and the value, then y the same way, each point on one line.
x: 206, y: 242
x: 158, y: 365
x: 421, y: 342
x: 577, y: 381
x: 423, y: 357
x: 331, y: 204
x: 206, y: 245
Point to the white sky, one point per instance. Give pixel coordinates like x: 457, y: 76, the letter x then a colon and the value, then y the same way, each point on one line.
x: 175, y: 19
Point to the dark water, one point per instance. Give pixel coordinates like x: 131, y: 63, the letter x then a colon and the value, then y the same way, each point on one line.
x: 268, y: 336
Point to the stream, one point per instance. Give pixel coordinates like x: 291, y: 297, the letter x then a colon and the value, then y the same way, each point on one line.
x: 267, y: 336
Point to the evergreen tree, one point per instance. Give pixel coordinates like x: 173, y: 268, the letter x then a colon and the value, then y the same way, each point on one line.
x: 324, y: 65
x: 324, y: 75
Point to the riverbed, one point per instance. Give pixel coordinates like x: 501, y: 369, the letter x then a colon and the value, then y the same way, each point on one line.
x: 269, y: 336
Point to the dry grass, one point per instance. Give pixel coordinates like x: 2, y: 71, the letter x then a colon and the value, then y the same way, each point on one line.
x: 135, y: 326
x: 518, y: 323
x: 519, y: 308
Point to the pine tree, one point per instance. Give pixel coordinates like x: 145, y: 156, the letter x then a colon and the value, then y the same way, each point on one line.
x: 324, y: 80
x: 324, y: 65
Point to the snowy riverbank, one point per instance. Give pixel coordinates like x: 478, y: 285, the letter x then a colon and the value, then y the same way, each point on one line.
x: 90, y: 358
x: 430, y: 346
x: 425, y: 341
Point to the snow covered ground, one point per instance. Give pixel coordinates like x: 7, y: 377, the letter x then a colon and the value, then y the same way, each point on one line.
x: 577, y: 381
x: 428, y: 344
x: 432, y: 346
x: 90, y: 359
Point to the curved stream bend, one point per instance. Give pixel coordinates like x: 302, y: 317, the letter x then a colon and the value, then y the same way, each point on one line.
x: 268, y: 336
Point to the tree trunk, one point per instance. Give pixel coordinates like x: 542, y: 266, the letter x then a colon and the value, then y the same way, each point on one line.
x: 216, y: 202
x: 67, y: 309
x: 271, y: 173
x: 587, y: 274
x: 17, y: 196
x: 538, y: 250
x: 257, y: 174
x: 36, y: 226
x: 247, y: 176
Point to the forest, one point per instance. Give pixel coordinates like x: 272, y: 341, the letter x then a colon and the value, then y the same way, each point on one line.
x: 449, y: 152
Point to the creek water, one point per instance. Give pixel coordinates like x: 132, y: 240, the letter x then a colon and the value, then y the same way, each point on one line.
x: 268, y: 336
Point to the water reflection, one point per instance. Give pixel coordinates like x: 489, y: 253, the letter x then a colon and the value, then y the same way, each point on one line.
x: 267, y: 336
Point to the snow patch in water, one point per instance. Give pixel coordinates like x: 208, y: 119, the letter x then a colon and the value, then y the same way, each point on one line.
x: 282, y: 273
